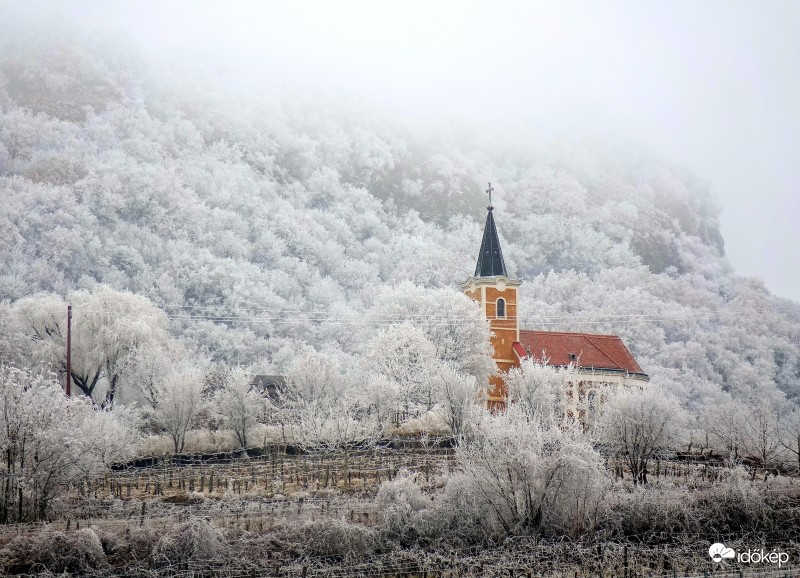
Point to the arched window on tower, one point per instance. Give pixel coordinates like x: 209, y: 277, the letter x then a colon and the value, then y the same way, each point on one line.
x: 501, y: 308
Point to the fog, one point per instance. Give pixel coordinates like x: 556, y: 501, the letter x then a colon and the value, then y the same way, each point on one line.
x: 714, y: 86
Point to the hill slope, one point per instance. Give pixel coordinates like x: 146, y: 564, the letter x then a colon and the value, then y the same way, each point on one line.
x: 287, y: 215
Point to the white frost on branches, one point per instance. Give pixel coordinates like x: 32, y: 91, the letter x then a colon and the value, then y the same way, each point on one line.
x: 49, y: 441
x: 107, y: 325
x: 180, y: 399
x: 238, y: 403
x: 524, y: 476
x: 638, y: 423
x: 539, y: 390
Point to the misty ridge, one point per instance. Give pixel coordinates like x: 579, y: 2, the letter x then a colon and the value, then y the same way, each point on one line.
x: 299, y: 210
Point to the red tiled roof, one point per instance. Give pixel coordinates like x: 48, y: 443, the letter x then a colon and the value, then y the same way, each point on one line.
x: 597, y: 351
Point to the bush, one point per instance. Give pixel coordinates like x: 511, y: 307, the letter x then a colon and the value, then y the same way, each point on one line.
x: 401, y: 493
x: 735, y: 505
x: 339, y: 539
x: 456, y: 518
x: 194, y: 541
x: 658, y: 512
x: 522, y: 477
x: 649, y: 513
x: 399, y: 500
x: 54, y: 551
x: 139, y: 544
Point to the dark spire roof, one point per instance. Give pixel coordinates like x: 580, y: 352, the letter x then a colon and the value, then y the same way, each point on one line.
x: 490, y: 258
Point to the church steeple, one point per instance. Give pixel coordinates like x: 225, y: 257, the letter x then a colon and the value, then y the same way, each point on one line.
x: 497, y: 294
x: 490, y: 258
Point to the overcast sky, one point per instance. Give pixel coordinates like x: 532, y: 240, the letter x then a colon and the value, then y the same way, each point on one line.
x: 713, y: 85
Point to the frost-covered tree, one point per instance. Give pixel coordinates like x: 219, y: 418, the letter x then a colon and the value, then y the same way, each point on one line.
x: 380, y: 396
x: 405, y: 364
x: 524, y: 477
x: 238, y: 403
x: 15, y: 347
x: 180, y: 399
x: 458, y: 399
x: 107, y: 325
x: 315, y: 379
x: 725, y: 425
x: 323, y: 407
x: 637, y: 423
x: 145, y: 367
x: 761, y: 429
x: 538, y: 389
x: 790, y: 433
x: 404, y: 355
x: 109, y: 436
x: 48, y: 441
x: 34, y: 417
x: 452, y: 323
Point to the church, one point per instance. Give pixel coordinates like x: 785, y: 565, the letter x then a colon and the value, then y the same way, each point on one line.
x: 600, y: 360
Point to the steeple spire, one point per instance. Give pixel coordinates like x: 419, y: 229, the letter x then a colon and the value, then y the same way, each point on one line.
x: 490, y: 258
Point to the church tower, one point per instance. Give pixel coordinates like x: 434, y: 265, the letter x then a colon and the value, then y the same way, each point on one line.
x: 497, y: 293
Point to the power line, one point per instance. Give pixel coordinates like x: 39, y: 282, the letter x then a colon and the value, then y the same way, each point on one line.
x: 357, y: 318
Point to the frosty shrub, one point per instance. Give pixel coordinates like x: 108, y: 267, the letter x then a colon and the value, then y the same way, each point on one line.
x: 449, y: 518
x: 526, y: 478
x: 57, y: 552
x: 431, y: 423
x: 111, y: 542
x: 455, y: 518
x: 206, y: 441
x: 647, y: 512
x: 735, y: 505
x: 660, y: 511
x: 194, y: 541
x: 339, y: 539
x: 138, y: 544
x: 398, y: 501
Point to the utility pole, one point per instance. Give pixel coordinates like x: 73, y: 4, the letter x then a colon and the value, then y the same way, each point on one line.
x: 69, y: 350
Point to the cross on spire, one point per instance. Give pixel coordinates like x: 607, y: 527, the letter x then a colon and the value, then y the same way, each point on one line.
x: 489, y: 190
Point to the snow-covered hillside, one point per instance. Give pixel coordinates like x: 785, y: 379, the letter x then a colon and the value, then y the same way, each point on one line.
x: 270, y: 223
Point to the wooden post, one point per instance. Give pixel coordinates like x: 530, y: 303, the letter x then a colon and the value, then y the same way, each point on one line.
x: 69, y: 350
x: 625, y: 555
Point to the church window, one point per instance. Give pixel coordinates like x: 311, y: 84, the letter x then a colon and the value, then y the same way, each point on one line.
x: 501, y: 308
